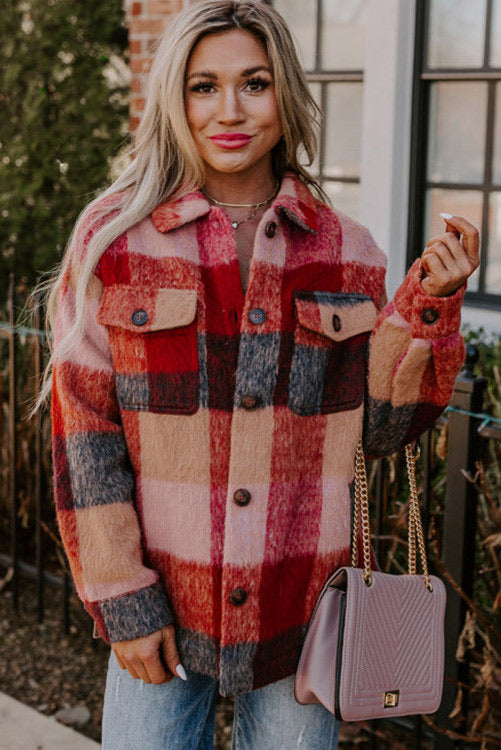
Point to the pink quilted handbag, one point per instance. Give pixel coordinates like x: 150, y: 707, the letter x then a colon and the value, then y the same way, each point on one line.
x: 374, y: 647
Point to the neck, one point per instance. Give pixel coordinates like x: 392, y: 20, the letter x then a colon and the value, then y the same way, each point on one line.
x: 239, y: 188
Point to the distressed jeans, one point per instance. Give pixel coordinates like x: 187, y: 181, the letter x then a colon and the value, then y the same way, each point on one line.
x: 179, y: 715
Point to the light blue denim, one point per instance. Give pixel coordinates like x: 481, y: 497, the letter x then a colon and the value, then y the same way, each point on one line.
x: 179, y: 715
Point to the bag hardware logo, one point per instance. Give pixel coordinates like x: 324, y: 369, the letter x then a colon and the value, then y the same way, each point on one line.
x: 391, y: 698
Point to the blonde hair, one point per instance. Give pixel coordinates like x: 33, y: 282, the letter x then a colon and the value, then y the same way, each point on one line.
x: 165, y: 156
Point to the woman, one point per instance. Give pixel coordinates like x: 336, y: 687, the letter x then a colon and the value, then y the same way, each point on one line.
x: 210, y: 385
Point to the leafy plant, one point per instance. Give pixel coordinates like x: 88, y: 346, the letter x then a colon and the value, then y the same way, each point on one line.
x: 63, y: 97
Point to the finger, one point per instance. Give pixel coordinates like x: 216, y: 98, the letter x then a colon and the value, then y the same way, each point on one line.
x: 452, y: 253
x: 155, y: 668
x: 471, y: 239
x: 443, y: 276
x: 440, y: 238
x: 118, y: 657
x: 433, y: 282
x: 171, y: 654
x: 132, y: 670
x: 446, y: 270
x: 431, y: 259
x: 450, y: 227
x: 433, y: 264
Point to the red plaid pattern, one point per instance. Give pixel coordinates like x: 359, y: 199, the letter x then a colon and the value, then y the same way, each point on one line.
x: 179, y: 395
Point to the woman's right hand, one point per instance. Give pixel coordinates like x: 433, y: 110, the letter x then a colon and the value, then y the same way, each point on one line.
x: 147, y: 658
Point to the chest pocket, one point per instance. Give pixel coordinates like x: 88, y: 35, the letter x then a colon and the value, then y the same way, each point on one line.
x: 329, y: 360
x: 153, y: 340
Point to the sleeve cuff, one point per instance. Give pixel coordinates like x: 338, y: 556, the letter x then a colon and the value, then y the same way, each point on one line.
x: 130, y: 616
x: 430, y: 317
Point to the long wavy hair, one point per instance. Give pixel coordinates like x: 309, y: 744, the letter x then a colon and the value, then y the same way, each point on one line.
x: 165, y: 160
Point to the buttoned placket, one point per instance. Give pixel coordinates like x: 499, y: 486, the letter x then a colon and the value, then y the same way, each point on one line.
x: 258, y: 332
x: 246, y: 503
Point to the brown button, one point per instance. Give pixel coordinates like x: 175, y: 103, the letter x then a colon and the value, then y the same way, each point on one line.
x: 429, y: 316
x: 242, y: 497
x: 271, y: 229
x: 251, y: 401
x: 336, y: 322
x: 238, y: 597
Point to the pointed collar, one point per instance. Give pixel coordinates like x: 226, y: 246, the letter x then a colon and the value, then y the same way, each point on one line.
x: 293, y: 199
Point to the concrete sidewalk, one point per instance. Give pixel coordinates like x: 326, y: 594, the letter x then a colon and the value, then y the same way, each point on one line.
x: 23, y: 728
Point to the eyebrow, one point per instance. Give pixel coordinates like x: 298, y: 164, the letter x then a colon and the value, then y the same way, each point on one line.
x: 244, y: 74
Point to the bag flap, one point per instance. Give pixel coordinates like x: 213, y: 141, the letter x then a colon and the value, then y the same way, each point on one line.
x: 141, y: 310
x: 393, y: 646
x: 337, y: 315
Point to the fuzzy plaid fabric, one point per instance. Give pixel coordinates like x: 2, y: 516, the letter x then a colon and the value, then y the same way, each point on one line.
x: 204, y: 440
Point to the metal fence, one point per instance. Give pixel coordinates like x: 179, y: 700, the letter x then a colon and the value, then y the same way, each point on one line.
x: 468, y: 429
x: 29, y: 544
x: 30, y: 548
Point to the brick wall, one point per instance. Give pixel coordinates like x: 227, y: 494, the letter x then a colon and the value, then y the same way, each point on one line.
x: 146, y: 20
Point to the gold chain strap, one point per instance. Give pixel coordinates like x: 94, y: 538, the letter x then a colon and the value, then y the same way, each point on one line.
x: 361, y: 517
x: 415, y: 524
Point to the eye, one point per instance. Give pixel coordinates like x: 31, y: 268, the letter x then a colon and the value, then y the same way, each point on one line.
x: 202, y: 88
x: 257, y: 84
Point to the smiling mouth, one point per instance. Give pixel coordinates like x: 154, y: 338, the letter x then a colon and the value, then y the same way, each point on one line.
x: 231, y: 140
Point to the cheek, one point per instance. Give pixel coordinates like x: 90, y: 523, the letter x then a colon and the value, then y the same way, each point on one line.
x: 274, y: 117
x: 195, y: 116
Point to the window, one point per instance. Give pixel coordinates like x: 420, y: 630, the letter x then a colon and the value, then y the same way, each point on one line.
x: 330, y: 37
x: 456, y: 161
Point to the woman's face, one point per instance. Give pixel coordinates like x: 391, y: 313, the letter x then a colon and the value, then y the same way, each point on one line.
x: 230, y: 103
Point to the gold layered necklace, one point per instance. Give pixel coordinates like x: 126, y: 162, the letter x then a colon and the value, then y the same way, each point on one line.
x: 254, y: 207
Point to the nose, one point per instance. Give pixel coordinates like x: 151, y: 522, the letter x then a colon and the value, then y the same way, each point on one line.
x: 230, y: 109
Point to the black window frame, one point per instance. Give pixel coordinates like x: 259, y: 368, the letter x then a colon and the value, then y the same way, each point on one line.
x: 423, y: 78
x: 324, y: 77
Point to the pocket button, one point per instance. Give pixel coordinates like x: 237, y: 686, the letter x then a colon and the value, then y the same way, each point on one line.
x: 271, y: 229
x: 257, y: 316
x: 139, y: 317
x: 336, y: 323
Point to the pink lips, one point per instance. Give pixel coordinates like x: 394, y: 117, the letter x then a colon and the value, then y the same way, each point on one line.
x: 230, y: 140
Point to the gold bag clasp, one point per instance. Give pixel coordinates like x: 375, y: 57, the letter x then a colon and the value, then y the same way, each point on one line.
x: 391, y: 698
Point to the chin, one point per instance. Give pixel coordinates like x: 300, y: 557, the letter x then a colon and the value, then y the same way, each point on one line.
x: 229, y: 168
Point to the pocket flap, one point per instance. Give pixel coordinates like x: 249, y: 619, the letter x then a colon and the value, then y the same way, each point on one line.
x: 141, y: 310
x: 338, y: 315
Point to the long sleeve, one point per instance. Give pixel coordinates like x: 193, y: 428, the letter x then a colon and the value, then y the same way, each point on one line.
x: 93, y: 480
x: 416, y: 352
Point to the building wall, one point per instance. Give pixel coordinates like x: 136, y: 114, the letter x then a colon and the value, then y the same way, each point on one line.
x: 146, y: 20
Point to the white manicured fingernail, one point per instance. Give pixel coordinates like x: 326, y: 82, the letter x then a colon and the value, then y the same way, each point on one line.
x: 181, y: 672
x: 446, y: 216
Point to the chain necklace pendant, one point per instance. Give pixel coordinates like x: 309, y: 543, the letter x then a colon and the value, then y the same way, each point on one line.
x: 254, y: 206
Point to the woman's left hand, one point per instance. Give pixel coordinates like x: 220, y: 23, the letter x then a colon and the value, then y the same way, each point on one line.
x: 448, y: 259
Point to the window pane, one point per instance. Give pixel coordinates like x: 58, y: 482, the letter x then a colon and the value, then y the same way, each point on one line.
x: 496, y: 166
x: 495, y: 56
x: 493, y: 271
x: 316, y: 91
x: 467, y: 203
x: 456, y: 33
x: 456, y: 142
x: 301, y: 17
x: 343, y: 34
x: 343, y: 130
x: 345, y: 197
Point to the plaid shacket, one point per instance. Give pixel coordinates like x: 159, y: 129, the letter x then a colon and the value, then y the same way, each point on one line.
x: 204, y: 439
